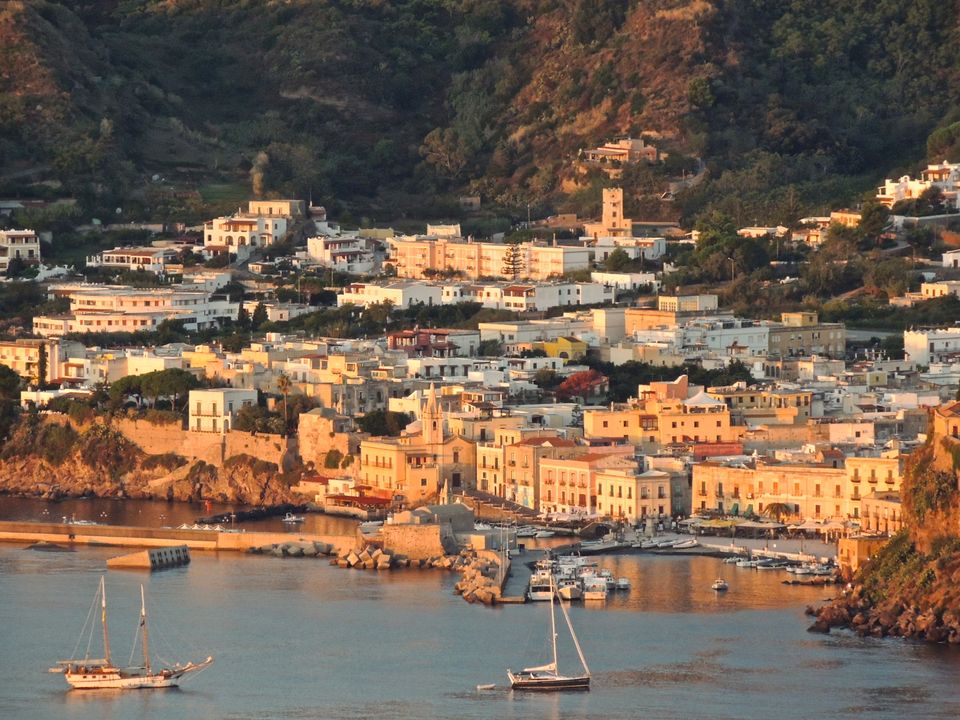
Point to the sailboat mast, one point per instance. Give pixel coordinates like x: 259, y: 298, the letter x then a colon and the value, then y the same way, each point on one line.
x: 553, y: 622
x: 576, y: 643
x: 143, y: 630
x: 103, y: 620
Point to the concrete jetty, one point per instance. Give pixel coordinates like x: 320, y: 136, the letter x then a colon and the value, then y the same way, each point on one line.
x: 152, y: 559
x: 126, y: 536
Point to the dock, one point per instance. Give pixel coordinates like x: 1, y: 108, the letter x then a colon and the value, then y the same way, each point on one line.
x: 126, y: 536
x: 152, y: 559
x: 516, y: 583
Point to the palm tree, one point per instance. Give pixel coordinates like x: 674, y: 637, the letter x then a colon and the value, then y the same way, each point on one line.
x: 777, y: 510
x: 284, y: 385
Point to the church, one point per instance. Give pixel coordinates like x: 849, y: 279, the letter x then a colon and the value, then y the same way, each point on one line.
x: 425, y: 464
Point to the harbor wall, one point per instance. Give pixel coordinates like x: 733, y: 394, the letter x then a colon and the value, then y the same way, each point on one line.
x: 417, y: 542
x: 118, y: 535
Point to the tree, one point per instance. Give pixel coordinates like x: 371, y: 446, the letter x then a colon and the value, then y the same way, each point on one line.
x: 42, y: 366
x: 513, y: 261
x: 284, y: 385
x: 259, y: 316
x: 383, y: 422
x: 581, y: 385
x: 546, y: 378
x: 10, y: 384
x: 617, y: 260
x: 873, y: 219
x: 488, y: 348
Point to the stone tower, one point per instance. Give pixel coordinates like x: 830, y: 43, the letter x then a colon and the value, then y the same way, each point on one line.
x: 431, y: 419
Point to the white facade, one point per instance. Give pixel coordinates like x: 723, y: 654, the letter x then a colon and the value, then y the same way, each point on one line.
x: 215, y: 410
x: 737, y: 338
x: 401, y: 294
x: 533, y: 330
x: 118, y: 308
x: 951, y: 259
x: 23, y: 244
x: 945, y: 176
x: 627, y: 280
x: 648, y: 248
x: 346, y: 252
x: 243, y: 231
x: 923, y: 347
x: 148, y: 259
x: 277, y: 311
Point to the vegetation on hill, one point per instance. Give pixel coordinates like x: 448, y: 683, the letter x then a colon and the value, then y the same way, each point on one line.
x: 170, y: 109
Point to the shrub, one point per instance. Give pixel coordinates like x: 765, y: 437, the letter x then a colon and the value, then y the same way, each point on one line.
x: 166, y: 461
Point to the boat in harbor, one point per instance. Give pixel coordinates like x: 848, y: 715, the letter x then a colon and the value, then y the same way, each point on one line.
x: 548, y: 677
x: 595, y: 588
x: 101, y: 673
x: 684, y: 544
x: 623, y: 583
x: 544, y: 534
x: 720, y: 585
x: 291, y: 518
x: 570, y: 589
x: 541, y: 586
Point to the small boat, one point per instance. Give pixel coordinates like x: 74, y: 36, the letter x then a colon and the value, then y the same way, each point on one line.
x: 544, y: 534
x: 548, y: 677
x: 623, y: 583
x: 595, y: 589
x: 649, y: 544
x: 746, y: 563
x: 570, y: 589
x: 486, y: 686
x: 720, y: 585
x: 291, y: 518
x: 732, y: 560
x: 664, y: 544
x: 684, y: 544
x: 525, y: 531
x: 101, y: 674
x: 541, y: 586
x: 369, y: 527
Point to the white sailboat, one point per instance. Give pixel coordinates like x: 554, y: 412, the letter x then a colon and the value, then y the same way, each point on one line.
x: 100, y: 673
x: 548, y: 677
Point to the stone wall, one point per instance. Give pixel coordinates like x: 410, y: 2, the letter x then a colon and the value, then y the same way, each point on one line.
x: 212, y: 448
x: 318, y: 436
x: 417, y: 542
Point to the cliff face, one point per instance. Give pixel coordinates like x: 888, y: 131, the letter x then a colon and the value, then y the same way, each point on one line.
x: 50, y: 457
x: 911, y: 588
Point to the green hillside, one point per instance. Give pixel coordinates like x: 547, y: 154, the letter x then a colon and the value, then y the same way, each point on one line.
x: 394, y: 106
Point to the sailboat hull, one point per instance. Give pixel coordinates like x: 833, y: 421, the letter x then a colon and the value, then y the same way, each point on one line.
x: 547, y: 681
x: 121, y: 681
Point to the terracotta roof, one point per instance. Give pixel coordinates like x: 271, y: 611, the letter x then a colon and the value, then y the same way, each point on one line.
x: 554, y: 441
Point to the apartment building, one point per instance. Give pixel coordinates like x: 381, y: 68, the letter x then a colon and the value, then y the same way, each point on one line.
x: 21, y: 244
x: 216, y: 410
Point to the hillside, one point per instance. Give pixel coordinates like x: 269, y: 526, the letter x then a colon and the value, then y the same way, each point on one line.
x: 911, y: 587
x: 392, y: 106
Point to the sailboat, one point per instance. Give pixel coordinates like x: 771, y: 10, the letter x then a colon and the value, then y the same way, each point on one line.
x: 548, y: 677
x: 100, y: 673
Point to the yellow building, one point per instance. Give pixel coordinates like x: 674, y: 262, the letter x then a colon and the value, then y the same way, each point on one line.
x: 569, y: 348
x: 512, y: 470
x: 881, y: 513
x: 416, y: 257
x: 421, y: 466
x: 569, y: 485
x: 806, y: 490
x: 754, y: 405
x: 612, y: 223
x: 655, y: 424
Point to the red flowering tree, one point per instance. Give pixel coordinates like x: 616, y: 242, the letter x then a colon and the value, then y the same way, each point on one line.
x: 584, y: 385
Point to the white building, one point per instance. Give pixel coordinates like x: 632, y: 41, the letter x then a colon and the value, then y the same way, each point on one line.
x: 148, y: 259
x: 242, y: 231
x: 951, y: 259
x: 627, y: 280
x: 277, y: 311
x: 347, y: 252
x: 118, y: 308
x: 216, y: 410
x: 22, y: 244
x: 945, y: 176
x: 526, y: 331
x: 924, y: 347
x: 648, y: 248
x: 733, y: 337
x: 402, y: 294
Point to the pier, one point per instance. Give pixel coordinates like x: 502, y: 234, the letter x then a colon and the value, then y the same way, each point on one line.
x: 127, y: 536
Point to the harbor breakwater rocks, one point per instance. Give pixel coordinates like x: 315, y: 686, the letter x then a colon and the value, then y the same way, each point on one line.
x: 295, y: 548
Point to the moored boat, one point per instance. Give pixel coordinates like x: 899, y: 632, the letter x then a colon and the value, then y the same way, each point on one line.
x: 720, y: 585
x: 291, y: 518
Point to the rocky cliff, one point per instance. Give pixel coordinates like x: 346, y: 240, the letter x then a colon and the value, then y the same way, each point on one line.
x: 911, y: 588
x: 50, y: 457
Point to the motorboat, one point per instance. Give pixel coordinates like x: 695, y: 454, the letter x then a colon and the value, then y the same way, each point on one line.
x: 545, y: 534
x: 732, y: 560
x: 684, y: 544
x: 623, y: 583
x: 291, y: 518
x: 541, y: 586
x: 746, y: 563
x: 570, y: 589
x: 595, y: 589
x: 720, y: 585
x: 525, y: 531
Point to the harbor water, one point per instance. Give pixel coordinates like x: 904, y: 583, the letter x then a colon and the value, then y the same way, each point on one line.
x: 298, y: 638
